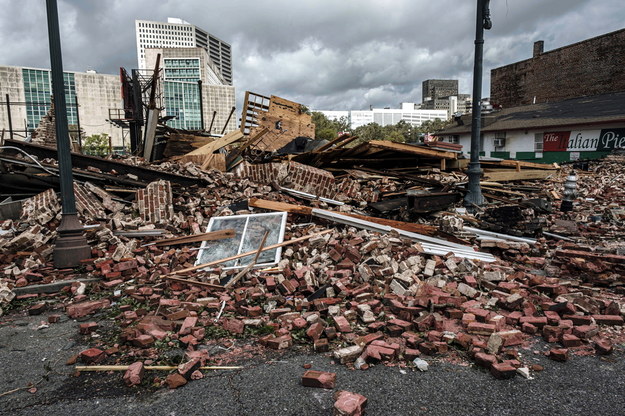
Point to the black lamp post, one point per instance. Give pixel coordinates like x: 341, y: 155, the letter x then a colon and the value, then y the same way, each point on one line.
x: 71, y: 245
x: 474, y: 196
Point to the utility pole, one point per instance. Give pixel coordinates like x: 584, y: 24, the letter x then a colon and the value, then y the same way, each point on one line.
x: 71, y: 245
x: 474, y: 196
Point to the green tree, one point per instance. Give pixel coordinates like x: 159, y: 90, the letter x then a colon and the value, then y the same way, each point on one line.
x: 96, y: 145
x: 433, y: 126
x: 326, y: 129
x: 368, y: 132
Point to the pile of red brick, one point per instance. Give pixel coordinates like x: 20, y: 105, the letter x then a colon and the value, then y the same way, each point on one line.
x: 366, y: 298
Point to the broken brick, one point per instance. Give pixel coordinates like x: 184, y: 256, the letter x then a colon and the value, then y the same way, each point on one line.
x: 319, y: 379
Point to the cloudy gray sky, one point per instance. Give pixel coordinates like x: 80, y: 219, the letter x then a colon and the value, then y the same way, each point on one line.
x: 327, y: 54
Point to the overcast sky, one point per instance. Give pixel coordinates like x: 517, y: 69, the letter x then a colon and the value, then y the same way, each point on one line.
x: 327, y: 54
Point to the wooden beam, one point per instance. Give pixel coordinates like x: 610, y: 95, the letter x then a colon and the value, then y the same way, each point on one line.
x: 611, y: 258
x: 82, y: 368
x: 192, y: 282
x: 517, y: 164
x: 249, y: 142
x: 331, y: 143
x: 195, y: 238
x: 505, y: 175
x: 279, y: 206
x: 303, y: 210
x: 416, y: 150
x: 217, y: 144
x: 243, y: 272
x: 249, y: 253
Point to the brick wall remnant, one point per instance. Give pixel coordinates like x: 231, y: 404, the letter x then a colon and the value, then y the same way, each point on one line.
x: 591, y: 67
x: 290, y: 175
x: 155, y: 202
x: 87, y: 204
x: 45, y: 133
x: 41, y: 208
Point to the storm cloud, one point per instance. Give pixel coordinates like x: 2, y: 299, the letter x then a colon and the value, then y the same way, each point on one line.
x: 327, y: 54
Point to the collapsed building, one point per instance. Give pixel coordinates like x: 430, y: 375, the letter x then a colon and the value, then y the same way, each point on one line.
x: 357, y: 249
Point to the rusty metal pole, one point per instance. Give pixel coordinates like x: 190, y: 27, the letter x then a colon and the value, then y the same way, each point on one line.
x: 71, y: 245
x: 9, y: 117
x: 474, y: 196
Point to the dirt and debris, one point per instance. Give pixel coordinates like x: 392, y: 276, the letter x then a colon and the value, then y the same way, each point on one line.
x: 366, y: 284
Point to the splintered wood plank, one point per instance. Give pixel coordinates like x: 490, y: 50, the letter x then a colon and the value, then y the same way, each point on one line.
x: 505, y: 175
x: 304, y: 210
x: 517, y: 164
x: 416, y: 150
x: 215, y: 161
x: 217, y: 144
x: 195, y: 238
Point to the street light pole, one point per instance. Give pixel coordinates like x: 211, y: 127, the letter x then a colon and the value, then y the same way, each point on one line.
x: 474, y: 196
x: 71, y: 245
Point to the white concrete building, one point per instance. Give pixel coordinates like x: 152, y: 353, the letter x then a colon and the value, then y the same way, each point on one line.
x: 388, y: 116
x: 177, y: 33
x: 30, y: 89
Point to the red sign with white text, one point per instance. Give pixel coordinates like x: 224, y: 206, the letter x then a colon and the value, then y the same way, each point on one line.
x: 556, y: 141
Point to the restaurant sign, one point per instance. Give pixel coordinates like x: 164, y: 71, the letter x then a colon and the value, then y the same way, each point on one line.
x: 584, y: 140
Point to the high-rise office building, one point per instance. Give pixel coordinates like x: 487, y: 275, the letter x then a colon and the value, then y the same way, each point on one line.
x: 177, y: 33
x: 207, y: 107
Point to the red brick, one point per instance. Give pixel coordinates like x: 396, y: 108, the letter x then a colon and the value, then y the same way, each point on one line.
x: 321, y: 345
x: 175, y: 380
x: 320, y: 379
x: 603, y: 347
x: 502, y: 370
x: 143, y: 341
x: 92, y: 356
x: 134, y: 375
x: 427, y: 348
x: 579, y: 319
x: 559, y: 354
x: 585, y: 331
x: 187, y: 369
x: 480, y: 329
x: 484, y: 360
x: 87, y: 328
x: 233, y: 325
x: 78, y: 310
x: 349, y: 404
x: 342, y: 324
x: 280, y: 343
x: 37, y: 309
x: 537, y: 321
x: 569, y: 340
x: 608, y: 319
x: 315, y: 330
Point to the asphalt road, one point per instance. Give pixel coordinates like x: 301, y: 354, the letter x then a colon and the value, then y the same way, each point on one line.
x: 582, y: 386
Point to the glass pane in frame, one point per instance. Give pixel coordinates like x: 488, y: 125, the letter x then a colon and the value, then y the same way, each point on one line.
x: 249, y: 232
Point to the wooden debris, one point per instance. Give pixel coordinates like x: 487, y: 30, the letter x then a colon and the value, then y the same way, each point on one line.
x: 99, y: 368
x: 243, y: 272
x: 249, y: 253
x: 195, y: 238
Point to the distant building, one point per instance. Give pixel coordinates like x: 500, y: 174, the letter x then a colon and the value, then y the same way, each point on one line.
x: 452, y: 104
x: 438, y: 88
x: 388, y: 116
x: 177, y: 33
x: 30, y: 91
x: 590, y: 67
x: 578, y: 128
x: 442, y: 94
x: 182, y: 69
